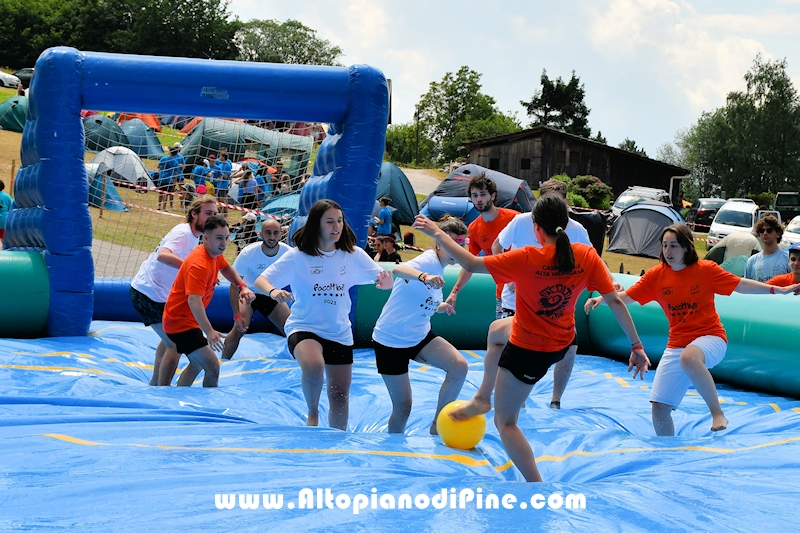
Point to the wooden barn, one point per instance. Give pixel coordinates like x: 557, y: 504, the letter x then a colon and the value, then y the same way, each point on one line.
x: 537, y: 154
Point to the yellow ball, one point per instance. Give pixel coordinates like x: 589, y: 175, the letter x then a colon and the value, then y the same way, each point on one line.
x: 463, y: 435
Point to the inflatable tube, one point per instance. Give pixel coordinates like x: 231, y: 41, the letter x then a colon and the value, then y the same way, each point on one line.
x: 466, y: 329
x: 24, y: 304
x: 111, y: 302
x: 762, y: 351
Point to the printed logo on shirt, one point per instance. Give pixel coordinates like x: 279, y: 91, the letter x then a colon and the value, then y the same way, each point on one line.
x: 695, y: 289
x: 682, y: 310
x: 315, y: 270
x: 554, y: 300
x: 342, y: 270
x: 666, y: 291
x: 429, y: 305
x: 261, y: 267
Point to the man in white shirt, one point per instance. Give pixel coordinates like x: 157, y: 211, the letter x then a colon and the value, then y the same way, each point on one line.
x: 152, y: 283
x: 771, y: 261
x: 249, y: 264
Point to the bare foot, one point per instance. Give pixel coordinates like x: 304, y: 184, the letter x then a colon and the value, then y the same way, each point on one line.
x: 474, y: 407
x: 719, y: 422
x: 312, y: 420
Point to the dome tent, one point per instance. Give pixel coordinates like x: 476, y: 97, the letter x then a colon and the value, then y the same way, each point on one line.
x: 512, y: 193
x: 638, y: 229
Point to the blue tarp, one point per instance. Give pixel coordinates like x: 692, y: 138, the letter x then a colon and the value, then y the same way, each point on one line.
x: 86, y: 444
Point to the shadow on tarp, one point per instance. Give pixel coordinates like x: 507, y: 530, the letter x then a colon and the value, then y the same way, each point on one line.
x: 87, y: 444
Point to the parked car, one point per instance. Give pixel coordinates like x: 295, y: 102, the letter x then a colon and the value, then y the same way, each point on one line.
x: 702, y: 212
x: 25, y: 75
x: 788, y: 204
x: 634, y: 195
x: 737, y: 214
x: 791, y: 234
x: 9, y: 80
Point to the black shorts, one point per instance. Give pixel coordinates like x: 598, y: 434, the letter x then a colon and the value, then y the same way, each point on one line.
x: 506, y: 312
x: 333, y: 353
x: 529, y: 366
x: 188, y: 341
x: 149, y: 311
x: 394, y: 361
x: 263, y: 304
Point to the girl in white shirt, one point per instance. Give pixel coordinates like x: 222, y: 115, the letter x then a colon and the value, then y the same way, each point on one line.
x: 403, y: 331
x: 321, y: 270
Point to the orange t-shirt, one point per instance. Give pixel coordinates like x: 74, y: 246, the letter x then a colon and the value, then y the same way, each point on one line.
x: 545, y: 318
x: 198, y: 275
x: 687, y: 298
x: 784, y: 280
x: 483, y: 234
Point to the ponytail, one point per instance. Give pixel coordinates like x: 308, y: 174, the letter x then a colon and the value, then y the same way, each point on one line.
x: 550, y: 213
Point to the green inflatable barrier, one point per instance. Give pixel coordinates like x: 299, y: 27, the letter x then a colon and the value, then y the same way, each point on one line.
x: 467, y: 329
x: 762, y: 349
x: 25, y: 295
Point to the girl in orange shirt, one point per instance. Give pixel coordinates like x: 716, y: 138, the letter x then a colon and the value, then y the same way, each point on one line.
x: 549, y: 281
x: 684, y: 287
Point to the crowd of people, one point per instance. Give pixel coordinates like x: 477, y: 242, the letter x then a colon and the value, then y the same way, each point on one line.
x: 541, y: 262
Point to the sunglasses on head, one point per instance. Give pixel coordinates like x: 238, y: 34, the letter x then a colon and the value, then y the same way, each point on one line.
x: 765, y: 230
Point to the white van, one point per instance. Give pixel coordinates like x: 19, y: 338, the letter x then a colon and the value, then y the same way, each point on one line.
x: 737, y: 214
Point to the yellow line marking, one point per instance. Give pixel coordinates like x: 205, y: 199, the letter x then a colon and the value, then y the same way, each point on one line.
x: 423, y: 368
x: 797, y: 409
x: 258, y: 371
x: 590, y: 372
x: 621, y: 382
x: 59, y: 369
x: 56, y: 354
x: 99, y: 331
x: 462, y: 459
x: 775, y: 406
x: 645, y: 387
x: 473, y: 354
x: 503, y: 468
x: 608, y: 375
x: 112, y: 360
x: 553, y: 458
x: 692, y: 393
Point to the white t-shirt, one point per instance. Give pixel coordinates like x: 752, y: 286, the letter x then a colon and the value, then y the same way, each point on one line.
x: 155, y: 278
x: 252, y: 261
x: 519, y: 233
x: 763, y: 268
x: 320, y: 286
x: 406, y: 317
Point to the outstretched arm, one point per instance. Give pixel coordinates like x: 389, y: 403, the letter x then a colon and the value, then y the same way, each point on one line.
x: 751, y: 286
x: 465, y: 259
x: 638, y: 357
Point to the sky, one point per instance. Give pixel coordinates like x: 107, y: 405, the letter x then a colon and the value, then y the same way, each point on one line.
x: 649, y: 67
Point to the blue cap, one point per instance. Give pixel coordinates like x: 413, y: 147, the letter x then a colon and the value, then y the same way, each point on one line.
x: 794, y: 248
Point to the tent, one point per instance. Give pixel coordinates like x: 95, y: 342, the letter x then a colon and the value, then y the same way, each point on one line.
x: 101, y: 132
x: 122, y: 164
x: 440, y: 206
x: 243, y: 140
x: 283, y: 207
x: 13, y: 112
x: 512, y: 193
x: 113, y: 201
x: 151, y: 120
x: 174, y: 121
x: 142, y: 139
x: 638, y: 229
x: 395, y: 185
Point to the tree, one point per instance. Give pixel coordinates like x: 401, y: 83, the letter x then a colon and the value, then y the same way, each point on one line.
x: 629, y: 145
x: 751, y: 145
x: 599, y: 138
x: 560, y: 105
x: 270, y: 41
x: 404, y: 147
x: 455, y: 111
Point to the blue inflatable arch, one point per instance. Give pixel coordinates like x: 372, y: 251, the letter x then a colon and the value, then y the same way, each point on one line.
x: 51, y: 212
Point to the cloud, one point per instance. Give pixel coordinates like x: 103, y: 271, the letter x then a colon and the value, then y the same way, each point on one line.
x: 366, y: 21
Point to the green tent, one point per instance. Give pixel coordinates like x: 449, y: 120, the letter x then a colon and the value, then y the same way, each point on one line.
x: 13, y: 112
x: 101, y: 132
x: 246, y: 141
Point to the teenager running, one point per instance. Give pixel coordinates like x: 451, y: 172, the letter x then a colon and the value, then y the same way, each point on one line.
x: 403, y: 331
x: 548, y: 281
x: 321, y: 270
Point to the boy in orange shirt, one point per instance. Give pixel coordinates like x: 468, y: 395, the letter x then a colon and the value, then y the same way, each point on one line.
x: 784, y: 280
x: 185, y: 318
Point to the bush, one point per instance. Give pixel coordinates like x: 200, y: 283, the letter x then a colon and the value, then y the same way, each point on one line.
x: 764, y: 198
x: 593, y: 190
x: 576, y: 200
